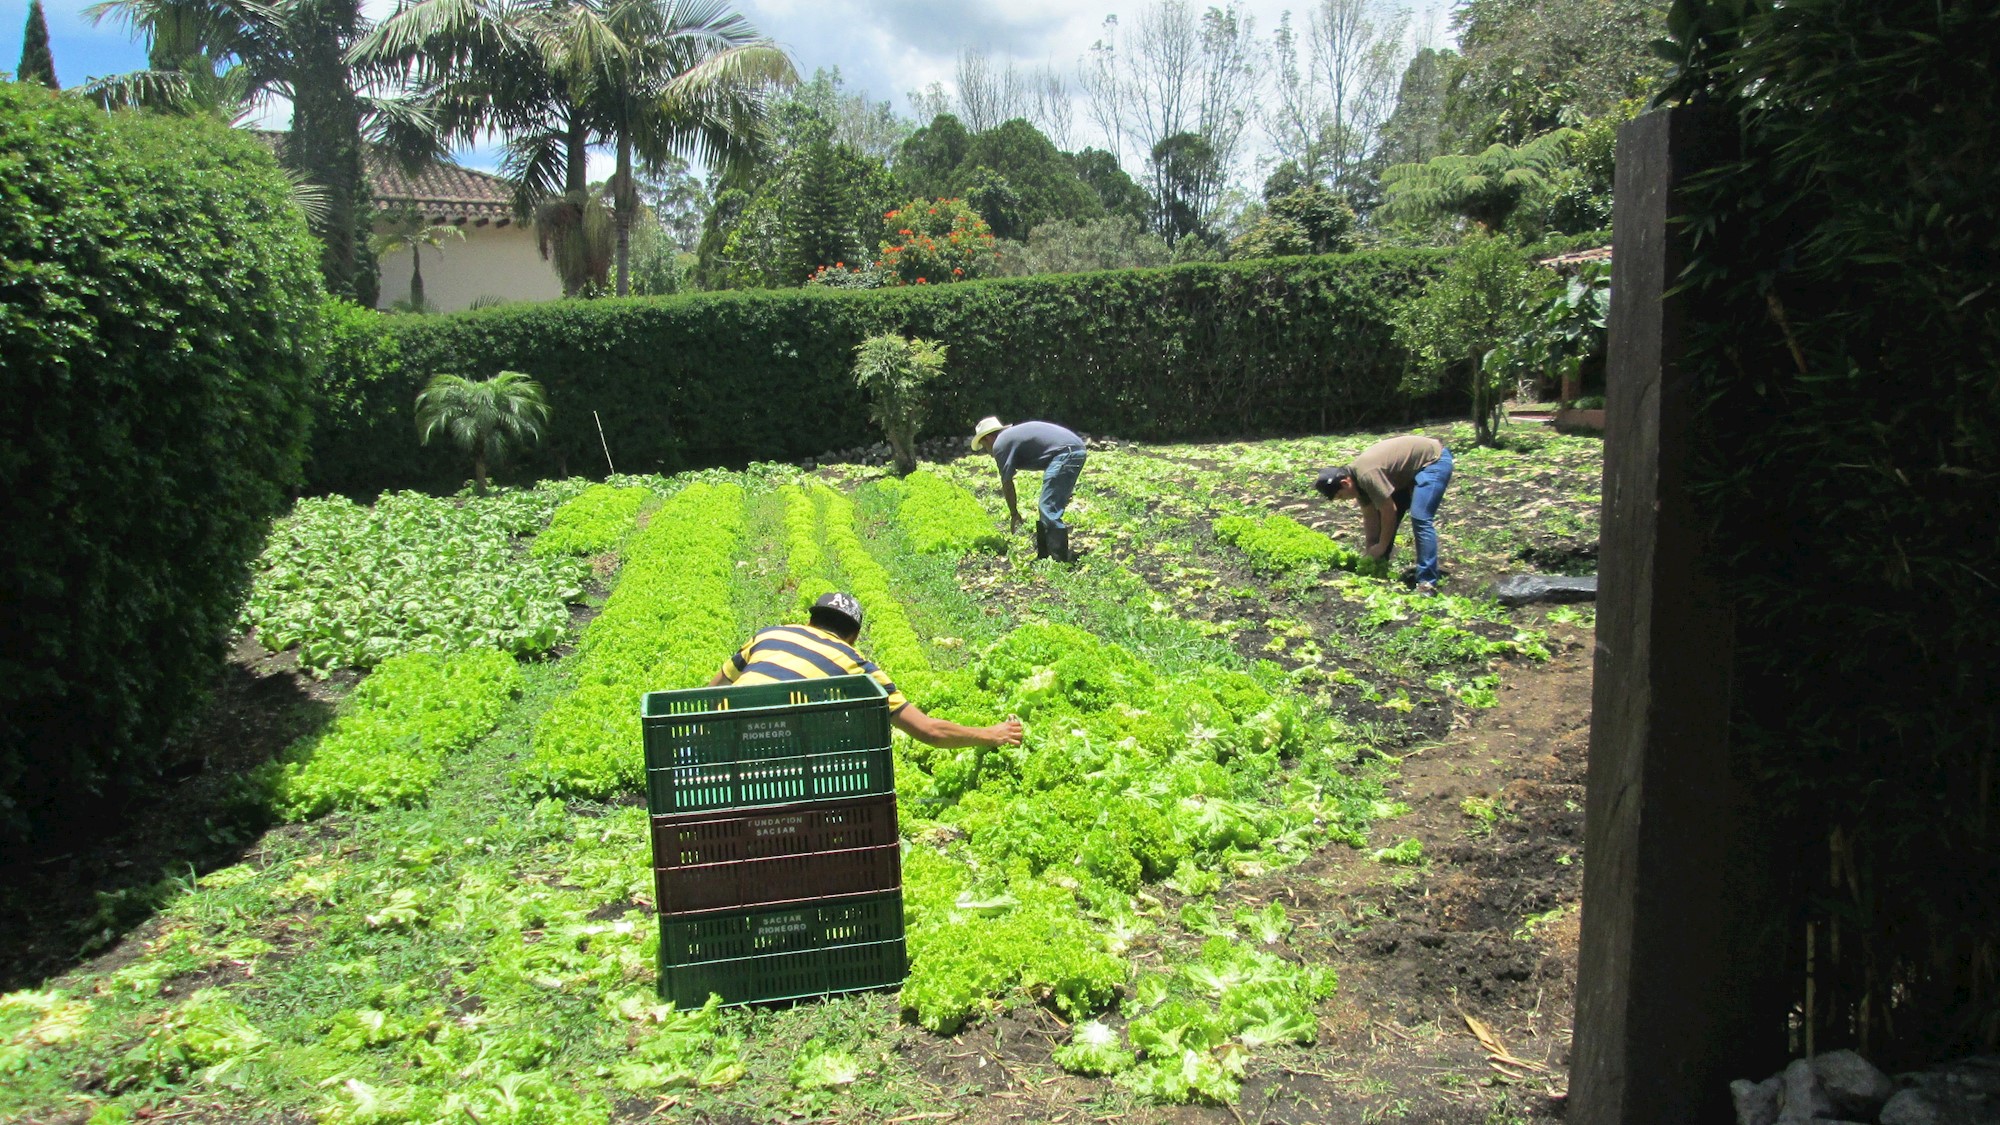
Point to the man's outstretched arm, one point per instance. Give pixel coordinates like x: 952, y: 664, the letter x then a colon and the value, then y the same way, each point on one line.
x: 947, y: 735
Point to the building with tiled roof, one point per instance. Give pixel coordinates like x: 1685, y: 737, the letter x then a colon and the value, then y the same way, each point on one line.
x: 495, y: 259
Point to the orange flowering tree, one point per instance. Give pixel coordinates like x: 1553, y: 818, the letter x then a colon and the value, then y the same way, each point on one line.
x: 935, y: 242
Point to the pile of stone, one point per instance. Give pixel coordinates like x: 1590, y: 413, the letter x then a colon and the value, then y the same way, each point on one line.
x: 936, y: 450
x: 1842, y: 1087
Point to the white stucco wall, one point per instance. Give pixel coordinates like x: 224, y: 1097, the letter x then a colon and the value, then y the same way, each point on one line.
x: 488, y: 262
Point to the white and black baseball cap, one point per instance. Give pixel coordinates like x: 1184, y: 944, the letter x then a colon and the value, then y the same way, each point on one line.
x: 841, y: 605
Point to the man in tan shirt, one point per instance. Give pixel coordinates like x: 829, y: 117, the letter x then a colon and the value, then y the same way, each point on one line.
x: 1396, y: 475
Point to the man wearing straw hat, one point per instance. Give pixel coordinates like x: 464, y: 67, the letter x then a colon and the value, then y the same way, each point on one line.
x: 1059, y: 455
x: 825, y: 647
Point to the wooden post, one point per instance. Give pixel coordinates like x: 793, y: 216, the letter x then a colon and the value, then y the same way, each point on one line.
x: 1668, y: 1007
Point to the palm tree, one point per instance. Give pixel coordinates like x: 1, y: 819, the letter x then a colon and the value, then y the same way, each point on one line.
x: 231, y: 56
x: 528, y: 70
x: 654, y: 77
x: 691, y: 82
x: 484, y: 417
x: 413, y: 235
x: 1484, y: 187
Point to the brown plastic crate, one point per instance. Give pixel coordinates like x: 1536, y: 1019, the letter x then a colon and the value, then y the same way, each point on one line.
x: 790, y: 853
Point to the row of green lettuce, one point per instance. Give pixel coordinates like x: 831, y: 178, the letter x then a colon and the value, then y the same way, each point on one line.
x: 1027, y: 877
x: 727, y: 378
x: 1130, y: 778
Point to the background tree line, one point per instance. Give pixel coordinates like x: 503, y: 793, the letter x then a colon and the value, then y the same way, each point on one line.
x: 1185, y: 133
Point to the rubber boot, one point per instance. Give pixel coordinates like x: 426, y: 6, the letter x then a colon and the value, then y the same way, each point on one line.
x: 1059, y: 545
x: 1041, y: 539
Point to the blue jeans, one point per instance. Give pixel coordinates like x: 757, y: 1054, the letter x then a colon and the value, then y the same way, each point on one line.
x: 1058, y: 482
x: 1429, y: 489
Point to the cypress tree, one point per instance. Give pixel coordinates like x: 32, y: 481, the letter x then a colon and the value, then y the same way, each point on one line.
x: 37, y: 64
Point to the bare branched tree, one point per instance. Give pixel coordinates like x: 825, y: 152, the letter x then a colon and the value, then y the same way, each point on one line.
x: 929, y: 102
x: 1229, y: 84
x: 988, y: 95
x: 1163, y: 74
x: 1055, y: 109
x: 1296, y: 115
x: 1357, y: 55
x: 1104, y: 88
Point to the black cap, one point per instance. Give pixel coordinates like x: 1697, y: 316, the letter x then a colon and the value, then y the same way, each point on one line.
x: 839, y: 604
x: 1330, y: 479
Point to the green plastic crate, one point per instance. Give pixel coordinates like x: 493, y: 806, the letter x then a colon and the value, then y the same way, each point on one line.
x: 766, y: 744
x: 754, y: 956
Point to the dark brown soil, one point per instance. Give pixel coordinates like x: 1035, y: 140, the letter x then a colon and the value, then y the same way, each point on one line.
x: 80, y: 895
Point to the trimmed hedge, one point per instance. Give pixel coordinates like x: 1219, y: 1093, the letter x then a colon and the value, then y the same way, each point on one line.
x: 1201, y: 350
x: 158, y: 299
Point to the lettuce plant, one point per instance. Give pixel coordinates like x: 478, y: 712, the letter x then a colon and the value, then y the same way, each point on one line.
x: 390, y: 744
x: 942, y: 518
x: 595, y: 521
x: 667, y: 626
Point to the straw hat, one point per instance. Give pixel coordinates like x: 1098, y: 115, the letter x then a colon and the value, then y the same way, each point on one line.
x: 987, y: 427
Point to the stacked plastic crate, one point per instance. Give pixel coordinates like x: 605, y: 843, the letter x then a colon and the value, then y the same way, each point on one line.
x: 777, y: 865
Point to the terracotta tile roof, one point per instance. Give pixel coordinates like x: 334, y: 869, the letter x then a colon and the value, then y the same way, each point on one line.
x: 443, y: 192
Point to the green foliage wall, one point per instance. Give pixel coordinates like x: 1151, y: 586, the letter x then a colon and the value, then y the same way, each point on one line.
x: 157, y: 309
x: 1846, y: 321
x: 1201, y: 350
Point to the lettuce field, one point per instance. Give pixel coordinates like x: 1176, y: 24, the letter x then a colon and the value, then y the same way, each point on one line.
x: 1285, y: 842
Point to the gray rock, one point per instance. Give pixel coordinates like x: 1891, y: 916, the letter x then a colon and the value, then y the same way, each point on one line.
x: 1801, y: 1100
x: 1522, y: 589
x: 1911, y: 1107
x: 1852, y: 1084
x: 1756, y: 1102
x: 1948, y: 1098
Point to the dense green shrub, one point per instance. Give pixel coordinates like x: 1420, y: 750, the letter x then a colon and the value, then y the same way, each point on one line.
x: 1845, y: 335
x: 158, y: 295
x: 1198, y: 350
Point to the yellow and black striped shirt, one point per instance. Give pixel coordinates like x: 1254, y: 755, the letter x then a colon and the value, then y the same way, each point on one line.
x: 804, y: 652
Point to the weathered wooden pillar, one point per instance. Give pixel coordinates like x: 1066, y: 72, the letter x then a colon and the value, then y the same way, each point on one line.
x: 1664, y: 1017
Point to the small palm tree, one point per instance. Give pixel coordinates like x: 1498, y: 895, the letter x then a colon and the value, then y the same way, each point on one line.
x: 486, y: 418
x: 413, y: 236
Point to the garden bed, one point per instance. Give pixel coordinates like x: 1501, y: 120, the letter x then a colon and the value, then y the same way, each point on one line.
x: 1416, y: 830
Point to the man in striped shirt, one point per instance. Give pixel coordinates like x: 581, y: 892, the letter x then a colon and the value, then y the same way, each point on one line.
x: 825, y: 647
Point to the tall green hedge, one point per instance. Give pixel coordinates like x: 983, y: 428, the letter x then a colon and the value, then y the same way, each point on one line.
x: 716, y: 378
x: 1846, y: 343
x: 158, y: 306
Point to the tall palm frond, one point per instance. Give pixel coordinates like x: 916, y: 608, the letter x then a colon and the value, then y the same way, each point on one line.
x: 694, y: 82
x: 574, y: 232
x: 167, y: 90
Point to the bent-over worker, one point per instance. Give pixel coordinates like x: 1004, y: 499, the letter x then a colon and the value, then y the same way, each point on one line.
x: 825, y: 647
x: 1058, y: 453
x: 1396, y: 475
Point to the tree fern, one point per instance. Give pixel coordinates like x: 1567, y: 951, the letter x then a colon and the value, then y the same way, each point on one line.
x: 1484, y: 187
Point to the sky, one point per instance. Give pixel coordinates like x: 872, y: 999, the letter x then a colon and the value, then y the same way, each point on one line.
x: 888, y: 48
